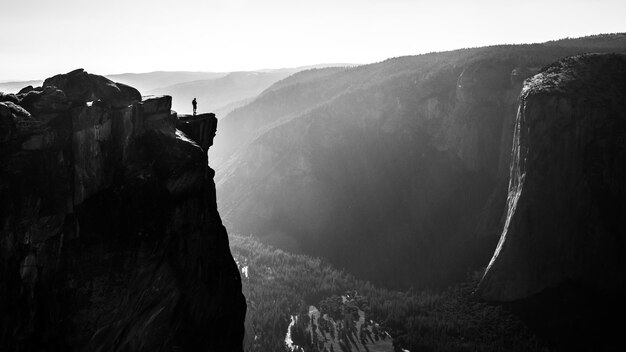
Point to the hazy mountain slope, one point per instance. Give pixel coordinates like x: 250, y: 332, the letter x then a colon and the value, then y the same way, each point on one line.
x: 592, y: 41
x: 14, y: 87
x: 214, y: 94
x: 225, y: 93
x: 396, y: 171
x: 144, y: 82
x: 306, y: 76
x: 228, y: 108
x: 285, y: 99
x: 148, y: 81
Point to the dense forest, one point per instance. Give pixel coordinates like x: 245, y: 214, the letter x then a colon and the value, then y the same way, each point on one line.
x: 278, y: 284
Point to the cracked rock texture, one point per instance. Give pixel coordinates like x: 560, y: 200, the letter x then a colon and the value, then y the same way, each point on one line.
x: 110, y: 239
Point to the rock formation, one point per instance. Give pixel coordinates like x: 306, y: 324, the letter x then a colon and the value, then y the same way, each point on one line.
x: 110, y: 239
x: 200, y: 128
x: 567, y: 193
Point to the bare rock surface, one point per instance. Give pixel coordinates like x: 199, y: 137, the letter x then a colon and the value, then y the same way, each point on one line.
x: 110, y: 239
x: 80, y: 86
x: 565, y: 219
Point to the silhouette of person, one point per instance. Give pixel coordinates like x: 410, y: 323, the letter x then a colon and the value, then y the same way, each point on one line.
x: 195, y: 105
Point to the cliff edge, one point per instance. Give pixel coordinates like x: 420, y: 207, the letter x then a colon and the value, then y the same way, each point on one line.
x: 110, y: 239
x: 565, y: 217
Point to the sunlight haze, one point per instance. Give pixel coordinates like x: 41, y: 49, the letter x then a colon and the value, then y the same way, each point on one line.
x: 42, y: 38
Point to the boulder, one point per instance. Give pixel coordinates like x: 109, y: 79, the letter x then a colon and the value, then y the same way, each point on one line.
x: 9, y: 97
x: 48, y: 100
x: 5, y: 111
x: 567, y: 194
x: 17, y: 110
x: 154, y: 104
x: 29, y: 89
x: 7, y: 125
x: 157, y: 115
x: 22, y: 122
x: 81, y: 87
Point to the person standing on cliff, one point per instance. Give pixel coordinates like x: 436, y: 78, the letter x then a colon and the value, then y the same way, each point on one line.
x: 195, y: 105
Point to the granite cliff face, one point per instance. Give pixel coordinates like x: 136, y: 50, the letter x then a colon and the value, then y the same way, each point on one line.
x: 396, y: 171
x: 567, y: 193
x: 110, y: 239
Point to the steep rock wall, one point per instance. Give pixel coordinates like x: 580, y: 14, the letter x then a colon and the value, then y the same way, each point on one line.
x: 565, y: 218
x: 110, y: 239
x: 201, y: 128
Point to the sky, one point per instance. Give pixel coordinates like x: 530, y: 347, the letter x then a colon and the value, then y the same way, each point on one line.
x: 41, y: 38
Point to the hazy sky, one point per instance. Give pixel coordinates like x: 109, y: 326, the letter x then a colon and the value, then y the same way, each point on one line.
x: 45, y: 37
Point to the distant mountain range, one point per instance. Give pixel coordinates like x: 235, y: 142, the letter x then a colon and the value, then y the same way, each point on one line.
x: 14, y: 87
x: 226, y: 92
x: 221, y: 94
x: 148, y: 81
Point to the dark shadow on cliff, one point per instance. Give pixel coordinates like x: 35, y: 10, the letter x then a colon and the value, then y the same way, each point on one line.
x: 110, y: 238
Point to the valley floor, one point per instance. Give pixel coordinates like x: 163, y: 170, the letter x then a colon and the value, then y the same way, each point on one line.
x: 280, y: 285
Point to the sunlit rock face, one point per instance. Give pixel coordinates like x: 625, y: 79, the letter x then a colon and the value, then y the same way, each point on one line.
x: 567, y: 194
x: 110, y: 239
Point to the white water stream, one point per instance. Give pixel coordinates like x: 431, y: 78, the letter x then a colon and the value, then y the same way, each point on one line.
x: 288, y: 340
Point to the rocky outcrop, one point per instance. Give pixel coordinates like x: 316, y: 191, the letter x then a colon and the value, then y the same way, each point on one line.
x: 110, y: 239
x: 80, y: 87
x: 201, y: 128
x: 565, y: 218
